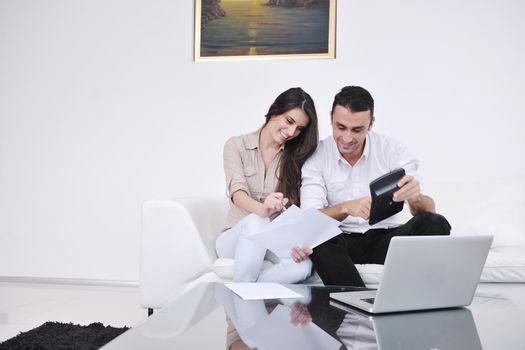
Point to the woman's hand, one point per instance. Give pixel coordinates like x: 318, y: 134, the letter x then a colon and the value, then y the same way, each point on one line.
x: 300, y: 253
x: 274, y: 203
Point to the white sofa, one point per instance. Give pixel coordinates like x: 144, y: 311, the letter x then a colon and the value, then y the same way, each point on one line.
x: 178, y: 236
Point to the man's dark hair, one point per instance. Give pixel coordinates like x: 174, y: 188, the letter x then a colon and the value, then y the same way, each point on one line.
x: 355, y: 99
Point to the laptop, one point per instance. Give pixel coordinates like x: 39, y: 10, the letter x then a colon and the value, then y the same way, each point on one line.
x: 425, y: 272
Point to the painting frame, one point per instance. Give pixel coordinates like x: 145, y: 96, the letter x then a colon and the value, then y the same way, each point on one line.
x: 329, y: 54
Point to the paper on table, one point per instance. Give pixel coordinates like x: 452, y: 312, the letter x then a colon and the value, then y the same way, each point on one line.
x: 256, y: 291
x: 296, y: 227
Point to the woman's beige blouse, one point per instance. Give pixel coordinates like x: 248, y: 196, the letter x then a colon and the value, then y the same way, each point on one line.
x: 244, y: 171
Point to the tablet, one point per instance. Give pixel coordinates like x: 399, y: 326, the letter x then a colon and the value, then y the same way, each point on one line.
x: 382, y: 190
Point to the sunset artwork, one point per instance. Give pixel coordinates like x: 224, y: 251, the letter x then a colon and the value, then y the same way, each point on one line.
x: 255, y: 29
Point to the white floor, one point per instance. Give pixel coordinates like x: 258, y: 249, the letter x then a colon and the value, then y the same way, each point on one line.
x: 24, y: 306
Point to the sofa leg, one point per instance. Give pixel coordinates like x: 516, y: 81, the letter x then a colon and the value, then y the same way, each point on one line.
x: 150, y: 312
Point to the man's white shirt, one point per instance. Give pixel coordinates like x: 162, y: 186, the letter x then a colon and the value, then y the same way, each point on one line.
x: 328, y: 179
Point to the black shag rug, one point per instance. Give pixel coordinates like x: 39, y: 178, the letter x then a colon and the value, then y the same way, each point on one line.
x: 62, y: 336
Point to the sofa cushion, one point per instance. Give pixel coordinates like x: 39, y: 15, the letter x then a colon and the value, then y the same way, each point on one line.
x: 484, y: 206
x: 504, y: 264
x: 371, y: 273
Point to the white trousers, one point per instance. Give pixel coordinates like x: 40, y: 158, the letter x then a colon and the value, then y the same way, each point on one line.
x: 248, y: 256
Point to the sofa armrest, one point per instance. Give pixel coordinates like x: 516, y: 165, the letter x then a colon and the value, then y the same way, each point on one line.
x: 178, y: 244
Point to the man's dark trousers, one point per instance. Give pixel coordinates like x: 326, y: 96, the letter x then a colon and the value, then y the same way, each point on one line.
x: 334, y: 259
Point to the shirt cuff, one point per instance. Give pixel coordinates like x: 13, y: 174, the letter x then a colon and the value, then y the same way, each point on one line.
x: 235, y: 186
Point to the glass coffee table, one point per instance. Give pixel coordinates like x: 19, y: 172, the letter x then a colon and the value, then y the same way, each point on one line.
x: 209, y: 316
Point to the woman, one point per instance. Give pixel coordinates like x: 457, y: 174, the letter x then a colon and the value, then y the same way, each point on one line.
x: 263, y: 175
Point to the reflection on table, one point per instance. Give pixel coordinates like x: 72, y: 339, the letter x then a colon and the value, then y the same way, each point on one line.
x: 315, y: 322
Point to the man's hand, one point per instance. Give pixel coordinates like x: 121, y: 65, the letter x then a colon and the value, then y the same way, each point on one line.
x: 274, y: 203
x: 300, y: 253
x: 359, y: 207
x: 409, y: 190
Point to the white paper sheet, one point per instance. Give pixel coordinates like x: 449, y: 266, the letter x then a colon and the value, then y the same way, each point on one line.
x: 296, y: 227
x: 289, y: 215
x: 257, y: 291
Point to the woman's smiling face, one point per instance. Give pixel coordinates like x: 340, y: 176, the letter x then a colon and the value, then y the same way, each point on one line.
x: 288, y: 125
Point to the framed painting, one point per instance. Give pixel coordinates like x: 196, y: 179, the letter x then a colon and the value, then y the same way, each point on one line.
x: 264, y: 29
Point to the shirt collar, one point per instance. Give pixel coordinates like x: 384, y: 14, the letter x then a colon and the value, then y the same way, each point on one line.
x: 366, y: 151
x: 251, y: 140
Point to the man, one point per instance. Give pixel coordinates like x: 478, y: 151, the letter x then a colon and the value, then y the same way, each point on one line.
x: 336, y: 180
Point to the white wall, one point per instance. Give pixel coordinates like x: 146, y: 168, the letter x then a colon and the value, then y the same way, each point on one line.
x: 102, y: 107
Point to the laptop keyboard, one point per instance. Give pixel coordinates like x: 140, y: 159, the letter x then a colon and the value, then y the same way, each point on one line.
x: 369, y: 300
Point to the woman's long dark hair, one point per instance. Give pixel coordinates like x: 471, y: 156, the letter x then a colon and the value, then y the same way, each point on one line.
x: 298, y: 149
